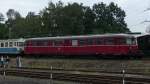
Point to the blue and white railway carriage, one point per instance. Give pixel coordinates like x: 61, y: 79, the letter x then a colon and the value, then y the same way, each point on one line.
x: 11, y: 46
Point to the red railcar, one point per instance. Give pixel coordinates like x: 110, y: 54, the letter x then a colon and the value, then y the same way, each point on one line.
x: 107, y: 44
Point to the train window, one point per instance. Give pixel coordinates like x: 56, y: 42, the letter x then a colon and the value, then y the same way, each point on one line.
x: 98, y: 41
x: 33, y: 43
x: 50, y: 43
x: 86, y: 42
x: 2, y: 44
x: 15, y: 43
x: 89, y: 41
x: 129, y: 41
x: 82, y: 42
x: 109, y: 41
x: 6, y: 44
x: 133, y: 41
x: 121, y: 41
x: 28, y: 43
x: 58, y: 42
x: 21, y: 44
x: 38, y: 43
x: 53, y: 43
x: 69, y: 42
x: 74, y: 42
x: 45, y: 43
x: 10, y: 44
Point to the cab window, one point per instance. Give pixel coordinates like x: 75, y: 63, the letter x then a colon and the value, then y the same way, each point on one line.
x: 131, y: 41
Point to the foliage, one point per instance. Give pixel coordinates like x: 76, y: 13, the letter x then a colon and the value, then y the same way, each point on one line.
x: 58, y: 19
x: 27, y: 27
x: 76, y: 19
x: 3, y: 29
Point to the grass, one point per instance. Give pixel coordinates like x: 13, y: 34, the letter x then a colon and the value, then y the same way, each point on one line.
x: 100, y: 64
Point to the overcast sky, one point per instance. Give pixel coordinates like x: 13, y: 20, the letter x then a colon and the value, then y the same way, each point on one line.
x: 134, y: 9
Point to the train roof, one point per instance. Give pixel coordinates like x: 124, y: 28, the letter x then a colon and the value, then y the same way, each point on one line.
x: 147, y: 34
x: 84, y: 36
x: 9, y: 40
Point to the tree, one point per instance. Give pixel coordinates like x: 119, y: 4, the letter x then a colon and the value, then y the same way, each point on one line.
x: 117, y: 15
x: 59, y: 19
x: 30, y: 15
x: 3, y: 29
x: 48, y: 19
x: 88, y: 20
x: 34, y: 25
x: 27, y: 27
x: 109, y: 19
x: 63, y: 20
x: 73, y: 19
x: 13, y: 17
x: 1, y: 17
x: 11, y: 14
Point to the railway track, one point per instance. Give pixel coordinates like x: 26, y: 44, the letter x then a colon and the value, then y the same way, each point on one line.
x: 127, y: 71
x: 89, y: 78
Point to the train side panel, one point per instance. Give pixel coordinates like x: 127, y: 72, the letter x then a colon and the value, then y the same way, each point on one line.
x: 9, y: 51
x: 85, y: 50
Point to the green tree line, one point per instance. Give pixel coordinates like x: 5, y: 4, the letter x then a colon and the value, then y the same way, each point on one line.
x: 59, y: 19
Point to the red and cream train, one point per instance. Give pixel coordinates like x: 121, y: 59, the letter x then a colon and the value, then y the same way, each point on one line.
x: 106, y: 44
